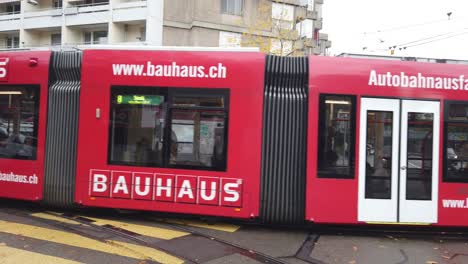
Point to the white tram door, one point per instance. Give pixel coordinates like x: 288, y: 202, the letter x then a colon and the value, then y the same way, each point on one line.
x: 398, y: 161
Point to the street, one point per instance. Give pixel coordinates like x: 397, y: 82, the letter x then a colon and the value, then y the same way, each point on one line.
x: 33, y: 234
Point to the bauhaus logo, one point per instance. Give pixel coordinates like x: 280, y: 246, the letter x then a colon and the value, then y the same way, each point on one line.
x: 4, y: 69
x: 159, y: 187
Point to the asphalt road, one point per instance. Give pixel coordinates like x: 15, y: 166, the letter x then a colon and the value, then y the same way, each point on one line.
x: 33, y: 234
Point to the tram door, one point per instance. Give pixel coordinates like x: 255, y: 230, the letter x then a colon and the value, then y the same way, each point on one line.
x: 398, y: 161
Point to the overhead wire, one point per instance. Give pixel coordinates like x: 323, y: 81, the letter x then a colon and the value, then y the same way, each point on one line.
x: 423, y: 43
x: 406, y: 26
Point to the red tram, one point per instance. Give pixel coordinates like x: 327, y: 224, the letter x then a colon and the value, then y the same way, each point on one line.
x: 236, y: 134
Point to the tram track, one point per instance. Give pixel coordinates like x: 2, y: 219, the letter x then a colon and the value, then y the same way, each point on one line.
x: 72, y: 229
x: 235, y: 248
x: 134, y: 237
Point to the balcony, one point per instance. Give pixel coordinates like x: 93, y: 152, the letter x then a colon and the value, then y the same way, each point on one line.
x: 318, y: 24
x: 289, y: 2
x: 9, y: 21
x: 317, y: 50
x: 323, y: 36
x: 47, y: 18
x: 130, y: 11
x: 302, y: 13
x: 86, y: 14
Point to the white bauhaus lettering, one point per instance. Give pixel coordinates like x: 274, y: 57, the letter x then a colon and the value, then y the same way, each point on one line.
x: 234, y: 194
x: 167, y: 188
x: 185, y: 189
x: 121, y: 185
x: 212, y: 191
x: 99, y: 183
x: 138, y: 186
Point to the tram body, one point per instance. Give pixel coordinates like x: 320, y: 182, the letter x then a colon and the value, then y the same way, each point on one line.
x: 237, y: 134
x: 408, y: 159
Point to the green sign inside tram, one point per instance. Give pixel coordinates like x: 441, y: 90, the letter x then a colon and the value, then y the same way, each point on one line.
x: 140, y: 99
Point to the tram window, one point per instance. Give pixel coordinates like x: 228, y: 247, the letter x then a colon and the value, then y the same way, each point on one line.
x: 137, y: 126
x: 456, y: 142
x: 19, y: 113
x: 336, y: 136
x: 158, y: 127
x: 198, y: 127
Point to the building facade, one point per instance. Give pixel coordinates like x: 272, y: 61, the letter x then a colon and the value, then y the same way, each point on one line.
x: 282, y: 27
x: 38, y: 23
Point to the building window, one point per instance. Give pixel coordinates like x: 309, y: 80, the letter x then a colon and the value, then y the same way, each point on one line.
x: 282, y: 16
x: 232, y: 7
x: 336, y: 142
x: 229, y: 39
x: 56, y: 39
x: 310, y: 5
x: 142, y: 34
x: 96, y: 2
x: 57, y: 3
x: 456, y: 142
x: 158, y: 127
x: 12, y: 42
x: 19, y: 117
x: 305, y: 28
x: 13, y: 8
x: 95, y: 37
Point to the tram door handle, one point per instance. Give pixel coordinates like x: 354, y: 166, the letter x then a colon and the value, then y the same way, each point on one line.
x: 403, y: 167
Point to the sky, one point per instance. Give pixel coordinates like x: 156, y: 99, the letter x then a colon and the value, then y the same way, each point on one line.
x: 422, y: 26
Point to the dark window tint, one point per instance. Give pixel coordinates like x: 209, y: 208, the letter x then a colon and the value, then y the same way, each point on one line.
x: 336, y: 136
x: 197, y: 137
x: 137, y: 126
x: 18, y: 122
x: 419, y: 161
x: 13, y: 8
x: 379, y: 154
x: 456, y: 142
x: 156, y: 127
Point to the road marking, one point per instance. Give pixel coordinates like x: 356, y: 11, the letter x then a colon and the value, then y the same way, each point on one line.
x: 75, y: 240
x: 220, y: 226
x: 55, y: 218
x: 150, y: 231
x: 9, y: 255
x: 154, y: 253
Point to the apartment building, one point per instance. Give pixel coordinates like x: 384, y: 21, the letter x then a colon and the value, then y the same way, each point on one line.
x: 281, y: 27
x: 278, y: 26
x: 37, y: 23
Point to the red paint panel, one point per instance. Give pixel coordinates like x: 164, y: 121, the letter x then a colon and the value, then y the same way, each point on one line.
x: 186, y: 191
x: 143, y: 185
x: 230, y: 189
x: 208, y: 191
x: 165, y: 188
x: 121, y: 184
x: 100, y: 183
x: 23, y: 179
x: 4, y: 68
